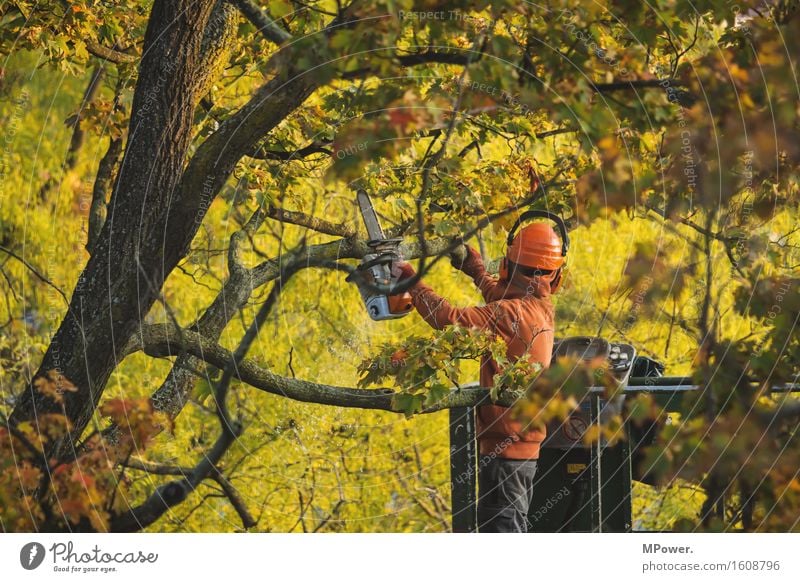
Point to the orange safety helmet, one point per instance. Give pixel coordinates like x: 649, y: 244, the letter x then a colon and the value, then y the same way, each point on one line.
x: 537, y: 246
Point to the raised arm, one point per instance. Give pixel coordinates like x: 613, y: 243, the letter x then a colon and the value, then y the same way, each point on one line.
x: 472, y: 266
x: 439, y: 313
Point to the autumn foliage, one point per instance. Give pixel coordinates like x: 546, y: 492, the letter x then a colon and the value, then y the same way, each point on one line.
x: 81, y: 489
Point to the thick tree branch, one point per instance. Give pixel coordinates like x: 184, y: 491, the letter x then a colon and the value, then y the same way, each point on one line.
x: 349, y: 248
x: 164, y: 340
x: 218, y: 38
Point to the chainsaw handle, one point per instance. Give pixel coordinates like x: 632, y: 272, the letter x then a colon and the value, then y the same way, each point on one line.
x: 383, y: 259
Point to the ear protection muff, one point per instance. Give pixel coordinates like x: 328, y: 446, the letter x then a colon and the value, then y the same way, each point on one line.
x: 558, y: 278
x: 562, y: 229
x: 504, y: 269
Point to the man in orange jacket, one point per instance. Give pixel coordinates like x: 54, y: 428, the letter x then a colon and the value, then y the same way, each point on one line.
x: 518, y: 309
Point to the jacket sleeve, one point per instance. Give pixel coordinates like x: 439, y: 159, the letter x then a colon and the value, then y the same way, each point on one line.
x: 439, y: 313
x: 487, y: 285
x: 475, y: 268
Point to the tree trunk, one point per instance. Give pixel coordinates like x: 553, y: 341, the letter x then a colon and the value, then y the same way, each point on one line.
x: 158, y: 203
x: 123, y: 276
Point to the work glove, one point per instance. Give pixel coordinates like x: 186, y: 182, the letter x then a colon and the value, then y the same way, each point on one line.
x: 402, y: 271
x: 467, y: 260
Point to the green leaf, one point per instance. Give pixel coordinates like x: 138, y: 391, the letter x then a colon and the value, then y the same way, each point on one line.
x: 408, y: 404
x: 280, y: 8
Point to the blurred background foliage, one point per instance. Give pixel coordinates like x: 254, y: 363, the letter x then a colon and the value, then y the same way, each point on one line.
x: 635, y: 272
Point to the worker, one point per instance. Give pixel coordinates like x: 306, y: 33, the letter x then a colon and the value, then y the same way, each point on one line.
x: 519, y: 310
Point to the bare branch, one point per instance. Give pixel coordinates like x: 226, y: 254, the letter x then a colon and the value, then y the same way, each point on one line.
x: 227, y: 487
x: 103, y: 183
x: 314, y: 148
x: 310, y: 222
x: 176, y: 492
x: 173, y: 493
x: 111, y: 55
x: 263, y: 23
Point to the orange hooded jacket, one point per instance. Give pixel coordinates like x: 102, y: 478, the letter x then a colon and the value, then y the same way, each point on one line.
x: 523, y: 317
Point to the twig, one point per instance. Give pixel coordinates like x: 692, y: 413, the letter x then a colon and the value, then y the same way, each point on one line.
x: 33, y: 270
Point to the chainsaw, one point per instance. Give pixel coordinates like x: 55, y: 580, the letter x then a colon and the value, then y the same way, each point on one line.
x: 376, y: 267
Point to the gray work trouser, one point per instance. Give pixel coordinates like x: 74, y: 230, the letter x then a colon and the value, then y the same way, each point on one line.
x: 505, y: 490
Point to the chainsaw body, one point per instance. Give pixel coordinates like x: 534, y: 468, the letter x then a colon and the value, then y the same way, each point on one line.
x: 376, y: 268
